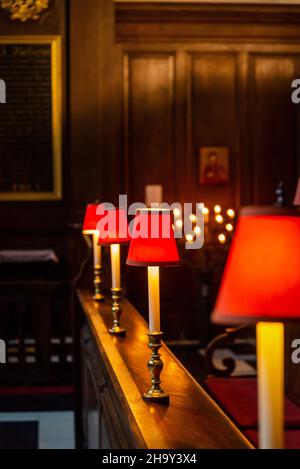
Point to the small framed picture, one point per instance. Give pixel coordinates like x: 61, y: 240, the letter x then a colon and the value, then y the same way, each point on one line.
x: 214, y: 165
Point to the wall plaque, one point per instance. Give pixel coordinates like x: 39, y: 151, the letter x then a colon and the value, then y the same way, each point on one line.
x: 31, y: 119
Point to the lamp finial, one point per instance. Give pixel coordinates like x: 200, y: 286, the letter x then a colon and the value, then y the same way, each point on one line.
x: 280, y: 195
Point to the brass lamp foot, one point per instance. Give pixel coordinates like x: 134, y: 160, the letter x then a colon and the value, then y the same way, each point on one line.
x: 155, y: 365
x: 116, y: 330
x: 98, y: 296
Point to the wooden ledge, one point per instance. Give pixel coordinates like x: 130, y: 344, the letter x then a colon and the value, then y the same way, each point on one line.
x: 192, y: 421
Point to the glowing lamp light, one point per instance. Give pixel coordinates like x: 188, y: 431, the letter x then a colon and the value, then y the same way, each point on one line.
x: 231, y: 213
x: 91, y: 219
x: 219, y: 219
x: 206, y: 212
x: 179, y: 224
x: 265, y: 251
x: 229, y: 227
x: 189, y: 238
x: 177, y: 213
x: 222, y: 238
x: 193, y: 218
x: 197, y: 231
x: 218, y: 209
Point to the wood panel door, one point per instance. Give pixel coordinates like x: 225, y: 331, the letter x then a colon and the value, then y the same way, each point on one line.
x: 149, y: 123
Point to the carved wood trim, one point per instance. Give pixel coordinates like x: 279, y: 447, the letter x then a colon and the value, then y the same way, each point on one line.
x: 218, y: 342
x: 174, y: 21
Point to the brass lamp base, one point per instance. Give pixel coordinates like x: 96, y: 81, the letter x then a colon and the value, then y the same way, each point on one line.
x: 98, y: 296
x: 156, y: 394
x: 117, y: 330
x: 157, y: 397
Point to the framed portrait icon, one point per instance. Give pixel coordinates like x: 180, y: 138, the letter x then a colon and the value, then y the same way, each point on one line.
x: 213, y: 165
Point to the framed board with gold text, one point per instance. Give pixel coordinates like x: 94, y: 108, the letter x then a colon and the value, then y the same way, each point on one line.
x: 31, y: 119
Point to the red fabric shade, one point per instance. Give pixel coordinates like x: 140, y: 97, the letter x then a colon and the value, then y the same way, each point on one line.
x: 91, y: 219
x: 153, y: 242
x: 113, y: 227
x: 297, y: 196
x: 261, y: 281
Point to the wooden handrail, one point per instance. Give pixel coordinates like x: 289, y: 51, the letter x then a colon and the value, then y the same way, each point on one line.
x: 193, y: 419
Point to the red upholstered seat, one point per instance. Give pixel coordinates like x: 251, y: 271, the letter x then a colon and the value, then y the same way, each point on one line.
x: 292, y: 438
x: 238, y: 398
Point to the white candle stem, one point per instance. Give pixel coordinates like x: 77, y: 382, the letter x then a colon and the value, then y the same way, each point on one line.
x: 154, y: 299
x: 115, y: 266
x: 270, y: 372
x: 96, y: 251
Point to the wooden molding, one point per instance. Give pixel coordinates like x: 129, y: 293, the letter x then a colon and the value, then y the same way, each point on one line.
x: 149, y: 21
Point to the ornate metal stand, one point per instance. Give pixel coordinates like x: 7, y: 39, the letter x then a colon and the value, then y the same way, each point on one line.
x: 98, y: 296
x: 155, y: 365
x: 116, y: 330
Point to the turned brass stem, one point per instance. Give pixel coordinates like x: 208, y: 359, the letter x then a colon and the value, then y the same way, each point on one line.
x: 116, y: 294
x: 98, y: 296
x: 155, y: 365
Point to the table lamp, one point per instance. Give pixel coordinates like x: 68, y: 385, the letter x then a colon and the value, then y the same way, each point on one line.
x: 114, y: 234
x: 91, y: 220
x: 261, y: 284
x: 153, y: 246
x: 297, y: 196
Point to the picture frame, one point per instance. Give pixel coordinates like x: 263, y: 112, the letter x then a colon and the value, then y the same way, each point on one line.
x: 214, y: 165
x: 30, y: 189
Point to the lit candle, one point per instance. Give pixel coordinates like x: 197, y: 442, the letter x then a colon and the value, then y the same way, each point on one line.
x: 179, y: 224
x: 177, y: 213
x: 206, y: 215
x: 222, y: 238
x: 96, y: 251
x: 229, y: 227
x: 189, y: 237
x: 219, y: 219
x: 115, y: 266
x: 218, y: 209
x: 231, y: 213
x: 270, y: 372
x: 154, y: 299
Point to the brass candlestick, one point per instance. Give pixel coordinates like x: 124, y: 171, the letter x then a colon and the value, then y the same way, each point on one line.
x: 116, y: 330
x: 98, y: 296
x: 155, y: 365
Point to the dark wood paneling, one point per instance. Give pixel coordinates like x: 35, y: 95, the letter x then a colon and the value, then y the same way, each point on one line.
x: 96, y: 104
x: 149, y: 100
x: 274, y: 125
x: 213, y: 103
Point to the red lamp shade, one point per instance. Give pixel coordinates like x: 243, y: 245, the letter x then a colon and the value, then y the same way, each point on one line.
x: 113, y: 227
x: 91, y: 219
x: 297, y: 196
x: 153, y: 242
x: 261, y: 281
